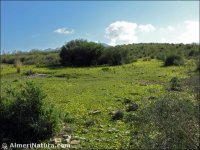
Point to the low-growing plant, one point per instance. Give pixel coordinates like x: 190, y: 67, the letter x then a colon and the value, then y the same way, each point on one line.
x: 146, y: 58
x: 105, y: 69
x: 18, y: 65
x: 175, y: 84
x: 25, y: 117
x: 89, y: 122
x: 118, y: 115
x: 29, y: 72
x: 132, y: 107
x: 127, y: 101
x: 169, y: 122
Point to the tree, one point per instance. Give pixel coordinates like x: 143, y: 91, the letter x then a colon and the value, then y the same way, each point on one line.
x: 80, y: 53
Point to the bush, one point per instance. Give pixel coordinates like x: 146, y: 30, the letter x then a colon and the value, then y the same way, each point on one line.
x: 29, y: 72
x: 118, y: 115
x: 105, y: 69
x: 89, y: 122
x: 25, y: 117
x: 132, y: 107
x: 80, y: 53
x: 175, y: 84
x: 170, y: 122
x: 84, y: 53
x: 127, y: 101
x: 18, y: 65
x: 174, y: 59
x: 198, y: 67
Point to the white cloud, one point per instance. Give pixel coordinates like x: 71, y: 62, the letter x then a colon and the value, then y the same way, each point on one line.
x: 64, y: 31
x: 146, y: 28
x: 191, y: 32
x: 121, y: 32
x: 170, y: 28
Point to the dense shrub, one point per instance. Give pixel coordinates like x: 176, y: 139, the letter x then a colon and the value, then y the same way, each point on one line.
x: 169, y: 122
x: 25, y: 117
x: 132, y: 107
x: 80, y: 53
x: 193, y: 53
x: 118, y: 115
x: 174, y: 59
x: 84, y: 53
x: 175, y: 84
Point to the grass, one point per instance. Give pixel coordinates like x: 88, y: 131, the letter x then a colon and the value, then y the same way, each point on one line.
x: 80, y: 91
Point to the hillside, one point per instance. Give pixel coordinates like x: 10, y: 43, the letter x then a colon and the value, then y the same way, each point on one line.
x: 92, y: 95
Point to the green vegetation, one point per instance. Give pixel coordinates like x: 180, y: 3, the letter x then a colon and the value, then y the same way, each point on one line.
x: 83, y: 53
x: 80, y: 53
x: 36, y: 57
x: 169, y: 122
x: 25, y: 117
x: 175, y: 84
x: 113, y: 103
x: 18, y: 65
x: 174, y: 59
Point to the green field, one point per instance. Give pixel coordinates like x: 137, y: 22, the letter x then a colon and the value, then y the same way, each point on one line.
x: 82, y: 91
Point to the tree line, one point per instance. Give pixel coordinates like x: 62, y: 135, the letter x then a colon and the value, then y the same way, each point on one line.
x: 84, y: 53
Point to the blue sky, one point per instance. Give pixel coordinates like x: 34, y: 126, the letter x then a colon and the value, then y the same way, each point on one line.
x: 50, y: 24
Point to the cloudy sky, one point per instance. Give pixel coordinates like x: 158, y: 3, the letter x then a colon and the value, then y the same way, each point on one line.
x: 50, y: 24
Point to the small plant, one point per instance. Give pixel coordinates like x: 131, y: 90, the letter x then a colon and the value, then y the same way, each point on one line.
x: 118, y: 115
x: 132, y: 107
x: 127, y: 101
x: 175, y: 84
x: 29, y: 72
x: 69, y: 119
x: 105, y: 69
x: 89, y: 122
x: 18, y: 65
x: 174, y: 59
x: 146, y: 58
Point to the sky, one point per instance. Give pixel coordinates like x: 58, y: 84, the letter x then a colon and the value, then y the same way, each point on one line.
x: 27, y: 25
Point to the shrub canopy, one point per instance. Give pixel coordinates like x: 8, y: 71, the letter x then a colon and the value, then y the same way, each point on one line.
x: 174, y: 59
x: 25, y: 117
x: 80, y: 53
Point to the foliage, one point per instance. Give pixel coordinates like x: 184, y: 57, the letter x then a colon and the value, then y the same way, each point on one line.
x: 29, y: 72
x: 89, y: 122
x: 174, y: 59
x: 18, y: 65
x: 118, y: 115
x: 170, y: 122
x: 82, y: 90
x: 198, y: 67
x: 25, y: 117
x: 175, y: 84
x: 74, y: 52
x: 29, y: 58
x: 80, y: 53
